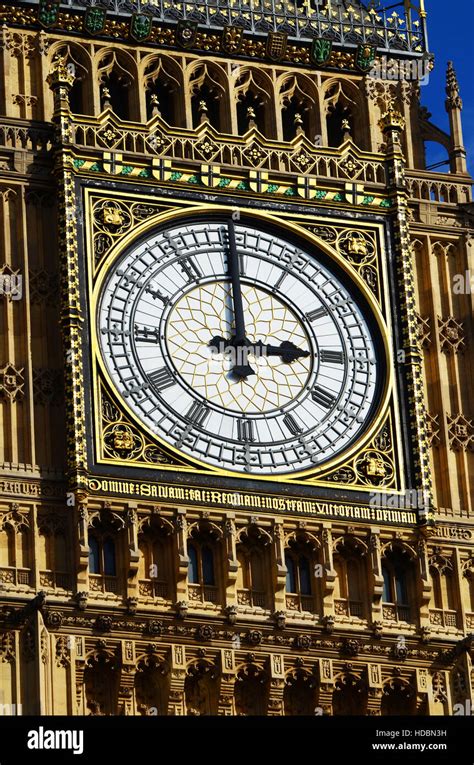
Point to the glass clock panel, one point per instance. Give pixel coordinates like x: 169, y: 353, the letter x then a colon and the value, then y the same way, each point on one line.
x: 238, y: 348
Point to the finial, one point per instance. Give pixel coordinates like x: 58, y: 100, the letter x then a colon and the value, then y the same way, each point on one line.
x: 392, y: 120
x: 453, y: 100
x: 106, y: 98
x: 155, y: 105
x: 203, y: 111
x: 346, y: 127
x: 299, y: 124
x: 251, y: 117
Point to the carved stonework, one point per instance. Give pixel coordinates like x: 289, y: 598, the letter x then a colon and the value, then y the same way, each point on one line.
x: 433, y: 429
x: 47, y: 386
x: 12, y: 383
x: 423, y: 330
x: 44, y: 288
x: 460, y: 432
x: 451, y: 335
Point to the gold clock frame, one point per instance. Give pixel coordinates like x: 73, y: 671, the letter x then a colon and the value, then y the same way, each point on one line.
x: 373, y: 462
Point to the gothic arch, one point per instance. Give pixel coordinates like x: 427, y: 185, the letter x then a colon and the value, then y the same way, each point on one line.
x: 201, y: 688
x: 117, y: 79
x: 206, y: 86
x: 350, y: 695
x: 163, y: 82
x: 253, y: 97
x: 251, y: 690
x: 81, y: 99
x: 298, y: 101
x: 254, y: 566
x: 398, y: 698
x: 343, y: 100
x: 101, y: 681
x: 300, y: 692
x: 152, y: 684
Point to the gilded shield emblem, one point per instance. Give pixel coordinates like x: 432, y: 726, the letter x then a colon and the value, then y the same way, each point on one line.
x: 276, y: 45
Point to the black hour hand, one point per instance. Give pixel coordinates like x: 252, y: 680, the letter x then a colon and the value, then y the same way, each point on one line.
x: 287, y: 351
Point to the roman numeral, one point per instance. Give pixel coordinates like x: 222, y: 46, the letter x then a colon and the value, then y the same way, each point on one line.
x: 323, y: 397
x: 317, y: 314
x: 245, y: 431
x: 162, y: 378
x: 156, y: 295
x: 198, y: 413
x: 292, y: 425
x: 281, y: 280
x: 331, y: 357
x: 146, y: 334
x: 190, y: 269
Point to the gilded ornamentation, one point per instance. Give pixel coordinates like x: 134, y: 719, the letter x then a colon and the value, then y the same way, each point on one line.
x: 423, y: 330
x: 433, y: 429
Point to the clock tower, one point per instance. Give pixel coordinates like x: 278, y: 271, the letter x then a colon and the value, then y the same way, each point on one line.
x: 237, y: 471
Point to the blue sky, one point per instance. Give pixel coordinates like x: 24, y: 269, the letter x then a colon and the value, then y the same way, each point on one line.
x: 451, y: 39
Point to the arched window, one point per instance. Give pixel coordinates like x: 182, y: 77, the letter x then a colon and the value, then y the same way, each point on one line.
x: 350, y: 564
x: 398, y: 699
x: 209, y: 96
x: 399, y: 585
x: 300, y: 108
x: 117, y: 80
x: 76, y: 58
x: 443, y: 606
x: 304, y: 574
x: 94, y: 556
x: 202, y: 566
x: 152, y: 682
x: 193, y: 564
x: 201, y: 689
x: 102, y: 562
x: 254, y: 567
x: 251, y: 691
x: 155, y: 568
x: 7, y: 548
x: 345, y: 111
x: 338, y: 121
x: 350, y: 696
x: 299, y: 696
x: 207, y: 565
x: 164, y: 90
x: 109, y: 557
x: 254, y: 107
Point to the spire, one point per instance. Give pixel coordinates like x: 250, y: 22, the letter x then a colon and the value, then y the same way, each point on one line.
x: 453, y: 100
x: 454, y: 109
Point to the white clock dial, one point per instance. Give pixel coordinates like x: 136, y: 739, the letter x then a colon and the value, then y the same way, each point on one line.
x: 291, y: 382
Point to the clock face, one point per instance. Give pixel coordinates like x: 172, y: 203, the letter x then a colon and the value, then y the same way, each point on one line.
x: 288, y: 391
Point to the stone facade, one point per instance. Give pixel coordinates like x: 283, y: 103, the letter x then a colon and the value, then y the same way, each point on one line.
x: 142, y: 111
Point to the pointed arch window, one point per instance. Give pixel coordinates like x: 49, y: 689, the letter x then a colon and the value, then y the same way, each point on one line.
x: 350, y: 564
x: 202, y: 551
x: 102, y: 562
x: 399, y: 585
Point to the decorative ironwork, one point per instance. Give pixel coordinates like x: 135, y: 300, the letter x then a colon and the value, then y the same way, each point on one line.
x: 346, y: 25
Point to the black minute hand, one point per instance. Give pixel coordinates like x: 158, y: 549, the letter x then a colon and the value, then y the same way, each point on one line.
x: 240, y: 340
